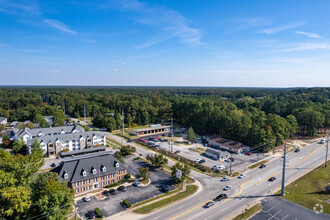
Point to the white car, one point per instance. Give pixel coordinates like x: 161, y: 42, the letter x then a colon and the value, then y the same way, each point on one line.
x: 86, y: 199
x: 322, y: 141
x: 224, y: 179
x: 227, y: 187
x: 197, y: 160
x: 241, y: 176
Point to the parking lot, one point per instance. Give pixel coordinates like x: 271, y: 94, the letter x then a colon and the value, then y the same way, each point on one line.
x: 241, y: 161
x: 112, y: 203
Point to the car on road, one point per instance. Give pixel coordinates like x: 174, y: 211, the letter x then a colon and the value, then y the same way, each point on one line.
x: 86, y: 199
x: 136, y: 183
x: 164, y: 188
x: 232, y: 159
x: 176, y: 152
x: 224, y: 179
x: 215, y: 167
x: 121, y: 188
x: 202, y: 161
x: 221, y: 197
x: 53, y: 165
x: 248, y: 153
x: 262, y: 166
x: 112, y: 191
x: 322, y: 141
x: 272, y: 179
x: 209, y: 204
x: 91, y: 214
x: 241, y: 176
x: 297, y: 150
x: 58, y: 157
x: 228, y: 187
x: 129, y: 141
x: 228, y: 161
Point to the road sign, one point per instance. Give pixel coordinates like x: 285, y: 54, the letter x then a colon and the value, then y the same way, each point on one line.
x: 178, y: 174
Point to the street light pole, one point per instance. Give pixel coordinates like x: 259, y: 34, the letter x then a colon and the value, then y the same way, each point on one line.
x: 326, y: 151
x: 283, y: 173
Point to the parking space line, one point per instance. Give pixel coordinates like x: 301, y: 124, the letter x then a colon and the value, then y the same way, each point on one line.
x: 274, y: 216
x: 285, y: 217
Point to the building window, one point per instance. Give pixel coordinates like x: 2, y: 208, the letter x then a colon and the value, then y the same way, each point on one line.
x: 104, y: 169
x: 102, y: 184
x: 112, y: 175
x: 123, y: 171
x: 108, y: 182
x: 66, y: 176
x: 118, y: 178
x: 118, y: 172
x: 83, y: 189
x: 94, y: 171
x: 88, y: 187
x: 88, y: 181
x: 84, y: 173
x: 112, y: 181
x: 95, y: 179
x: 77, y: 183
x: 82, y: 182
x: 108, y: 176
x: 102, y: 177
x: 77, y: 190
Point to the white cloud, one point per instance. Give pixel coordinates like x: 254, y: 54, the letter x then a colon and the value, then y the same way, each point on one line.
x: 274, y: 30
x: 19, y: 7
x: 311, y: 35
x: 59, y: 26
x: 306, y: 46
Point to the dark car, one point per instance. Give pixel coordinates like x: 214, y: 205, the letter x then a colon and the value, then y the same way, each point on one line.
x: 221, y: 197
x: 297, y: 150
x: 202, y: 161
x: 262, y: 166
x: 91, y: 214
x: 176, y: 152
x: 112, y: 191
x: 272, y: 179
x: 105, y: 192
x: 232, y: 159
x: 129, y: 141
x: 121, y: 188
x: 164, y: 188
x: 209, y: 204
x: 53, y: 165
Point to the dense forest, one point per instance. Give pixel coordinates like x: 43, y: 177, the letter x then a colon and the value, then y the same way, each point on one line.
x: 250, y: 115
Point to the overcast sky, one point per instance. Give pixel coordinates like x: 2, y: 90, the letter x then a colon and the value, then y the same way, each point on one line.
x: 257, y: 43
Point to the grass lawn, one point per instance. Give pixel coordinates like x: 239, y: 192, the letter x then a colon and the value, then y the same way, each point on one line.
x: 191, y: 189
x: 145, y: 182
x: 310, y: 190
x: 128, y: 132
x: 258, y: 164
x: 254, y: 209
x: 157, y: 197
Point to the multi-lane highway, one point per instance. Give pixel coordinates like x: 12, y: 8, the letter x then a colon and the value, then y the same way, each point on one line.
x: 245, y: 192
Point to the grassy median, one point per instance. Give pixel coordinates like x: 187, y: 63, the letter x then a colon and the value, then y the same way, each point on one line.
x: 191, y: 189
x: 310, y: 190
x: 258, y: 164
x: 250, y: 212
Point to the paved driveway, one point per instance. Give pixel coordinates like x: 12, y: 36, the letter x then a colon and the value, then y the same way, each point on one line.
x: 112, y: 204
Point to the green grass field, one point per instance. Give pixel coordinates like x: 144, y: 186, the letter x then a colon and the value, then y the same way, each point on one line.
x: 310, y: 190
x: 258, y: 164
x: 246, y: 215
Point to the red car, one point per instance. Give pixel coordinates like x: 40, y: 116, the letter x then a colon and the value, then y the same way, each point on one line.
x: 156, y: 137
x: 248, y: 153
x: 140, y: 139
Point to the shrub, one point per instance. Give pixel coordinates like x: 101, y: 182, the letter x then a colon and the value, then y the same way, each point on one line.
x: 114, y: 184
x: 127, y: 176
x: 98, y: 213
x: 137, y: 158
x: 127, y: 203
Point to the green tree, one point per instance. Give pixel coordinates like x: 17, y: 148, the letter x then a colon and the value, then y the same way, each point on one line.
x: 184, y: 169
x: 36, y: 149
x: 293, y: 123
x: 191, y: 134
x: 18, y: 145
x: 38, y: 118
x: 144, y: 172
x: 157, y: 160
x: 127, y: 150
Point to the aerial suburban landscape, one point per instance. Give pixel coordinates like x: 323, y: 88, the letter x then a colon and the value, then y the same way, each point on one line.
x: 164, y: 110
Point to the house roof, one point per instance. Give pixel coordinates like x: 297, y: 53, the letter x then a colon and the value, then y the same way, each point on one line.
x: 75, y: 168
x: 228, y: 143
x: 2, y: 118
x: 65, y: 137
x: 152, y: 128
x: 52, y: 130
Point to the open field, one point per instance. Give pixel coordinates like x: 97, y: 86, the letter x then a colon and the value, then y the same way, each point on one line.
x: 310, y: 190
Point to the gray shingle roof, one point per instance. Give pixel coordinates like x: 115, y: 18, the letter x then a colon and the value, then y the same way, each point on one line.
x: 2, y: 119
x: 45, y: 131
x: 74, y: 168
x: 65, y: 137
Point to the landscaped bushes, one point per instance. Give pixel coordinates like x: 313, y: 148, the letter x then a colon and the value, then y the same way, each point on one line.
x: 114, y: 184
x: 127, y: 203
x: 98, y: 213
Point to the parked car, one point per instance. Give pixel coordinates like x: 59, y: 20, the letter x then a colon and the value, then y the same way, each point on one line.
x: 53, y: 165
x: 164, y: 188
x: 209, y: 204
x: 86, y: 199
x: 129, y: 141
x: 202, y: 161
x: 224, y: 179
x: 262, y: 166
x: 221, y: 197
x: 227, y: 187
x: 176, y: 152
x: 170, y: 135
x: 228, y: 161
x: 241, y: 176
x: 272, y: 179
x: 248, y: 153
x: 297, y: 150
x: 105, y: 192
x: 91, y: 214
x: 197, y: 160
x: 322, y: 141
x: 58, y: 157
x: 112, y: 191
x: 232, y: 159
x: 121, y: 188
x: 136, y: 183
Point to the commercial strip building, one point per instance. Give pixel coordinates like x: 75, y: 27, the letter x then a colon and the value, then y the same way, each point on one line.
x: 91, y: 173
x: 229, y: 145
x: 54, y: 144
x: 152, y: 130
x: 216, y: 154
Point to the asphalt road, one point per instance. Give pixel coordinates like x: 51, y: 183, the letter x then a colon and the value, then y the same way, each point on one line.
x: 277, y: 208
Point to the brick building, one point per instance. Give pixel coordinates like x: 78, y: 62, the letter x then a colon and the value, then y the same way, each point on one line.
x: 91, y: 173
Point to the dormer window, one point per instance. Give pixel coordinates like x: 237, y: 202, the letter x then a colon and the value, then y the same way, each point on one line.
x: 84, y: 173
x: 66, y: 176
x: 104, y: 169
x: 116, y: 164
x: 94, y: 171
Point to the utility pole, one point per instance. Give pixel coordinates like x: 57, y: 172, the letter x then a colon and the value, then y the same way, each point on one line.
x: 283, y: 173
x: 122, y: 117
x: 326, y: 151
x: 84, y: 115
x: 64, y: 106
x: 172, y: 135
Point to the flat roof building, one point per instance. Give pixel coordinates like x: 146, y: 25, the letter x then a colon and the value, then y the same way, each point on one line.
x: 152, y: 130
x: 229, y: 145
